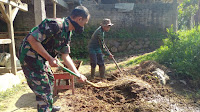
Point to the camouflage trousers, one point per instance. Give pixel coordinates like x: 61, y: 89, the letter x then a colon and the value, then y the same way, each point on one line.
x: 40, y: 80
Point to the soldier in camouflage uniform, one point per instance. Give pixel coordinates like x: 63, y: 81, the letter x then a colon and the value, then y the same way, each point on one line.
x: 97, y: 46
x: 42, y: 44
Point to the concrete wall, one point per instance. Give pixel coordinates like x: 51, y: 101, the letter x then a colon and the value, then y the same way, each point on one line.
x: 157, y: 15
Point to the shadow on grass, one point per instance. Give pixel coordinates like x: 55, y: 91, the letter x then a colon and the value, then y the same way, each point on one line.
x: 26, y: 100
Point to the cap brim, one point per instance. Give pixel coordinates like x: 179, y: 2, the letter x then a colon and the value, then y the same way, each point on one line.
x: 110, y: 24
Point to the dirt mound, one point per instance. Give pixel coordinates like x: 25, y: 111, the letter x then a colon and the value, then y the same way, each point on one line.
x: 126, y: 93
x: 121, y: 96
x: 145, y: 71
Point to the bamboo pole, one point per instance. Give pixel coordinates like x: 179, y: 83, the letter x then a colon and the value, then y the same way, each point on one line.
x: 11, y: 36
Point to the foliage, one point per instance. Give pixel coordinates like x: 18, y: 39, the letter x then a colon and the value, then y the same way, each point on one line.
x: 79, y: 42
x: 183, y: 55
x: 186, y: 10
x: 180, y: 52
x: 136, y: 32
x: 172, y: 36
x: 80, y: 49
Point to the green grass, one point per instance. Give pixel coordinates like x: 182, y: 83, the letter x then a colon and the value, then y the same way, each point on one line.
x: 12, y: 91
x: 9, y: 93
x: 85, y: 60
x: 139, y: 59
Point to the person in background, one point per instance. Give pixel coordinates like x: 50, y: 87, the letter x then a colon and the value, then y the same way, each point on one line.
x: 97, y: 47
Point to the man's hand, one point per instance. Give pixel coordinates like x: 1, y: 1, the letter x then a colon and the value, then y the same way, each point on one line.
x: 82, y: 78
x: 53, y: 62
x: 111, y: 56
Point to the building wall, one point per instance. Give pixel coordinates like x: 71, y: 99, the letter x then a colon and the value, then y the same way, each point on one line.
x: 157, y: 15
x: 143, y: 16
x: 24, y: 21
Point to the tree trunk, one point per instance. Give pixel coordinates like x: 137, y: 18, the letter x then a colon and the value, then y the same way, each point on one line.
x: 197, y: 16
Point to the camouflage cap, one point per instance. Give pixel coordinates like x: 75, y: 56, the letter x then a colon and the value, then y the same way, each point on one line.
x: 106, y: 22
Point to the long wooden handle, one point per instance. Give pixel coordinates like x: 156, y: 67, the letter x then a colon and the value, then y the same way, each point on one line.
x: 113, y: 58
x: 116, y: 64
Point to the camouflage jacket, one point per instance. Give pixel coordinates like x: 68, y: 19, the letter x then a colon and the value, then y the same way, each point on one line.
x: 54, y: 36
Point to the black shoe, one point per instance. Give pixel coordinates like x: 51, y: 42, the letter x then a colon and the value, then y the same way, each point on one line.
x: 55, y: 108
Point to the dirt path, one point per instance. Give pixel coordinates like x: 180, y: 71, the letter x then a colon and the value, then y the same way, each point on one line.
x: 127, y: 93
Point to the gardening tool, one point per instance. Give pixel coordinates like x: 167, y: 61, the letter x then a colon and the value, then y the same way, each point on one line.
x: 116, y: 64
x: 69, y: 71
x: 113, y: 59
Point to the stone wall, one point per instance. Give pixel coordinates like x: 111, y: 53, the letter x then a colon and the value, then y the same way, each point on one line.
x: 126, y: 45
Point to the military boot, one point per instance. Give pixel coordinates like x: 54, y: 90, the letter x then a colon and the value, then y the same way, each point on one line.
x: 92, y: 72
x: 102, y: 71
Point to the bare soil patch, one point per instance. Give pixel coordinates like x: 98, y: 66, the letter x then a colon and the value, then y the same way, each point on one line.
x: 134, y: 90
x: 127, y: 93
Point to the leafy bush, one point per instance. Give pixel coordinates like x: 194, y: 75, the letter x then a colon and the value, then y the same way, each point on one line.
x: 180, y: 52
x: 79, y: 42
x: 183, y: 53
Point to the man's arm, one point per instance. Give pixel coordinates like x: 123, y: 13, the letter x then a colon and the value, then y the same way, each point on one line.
x: 37, y: 46
x: 103, y: 46
x: 68, y: 61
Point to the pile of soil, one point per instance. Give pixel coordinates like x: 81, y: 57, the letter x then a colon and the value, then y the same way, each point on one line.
x: 134, y: 90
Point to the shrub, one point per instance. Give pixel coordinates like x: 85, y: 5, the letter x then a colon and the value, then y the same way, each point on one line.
x: 186, y: 10
x: 181, y: 52
x: 79, y: 42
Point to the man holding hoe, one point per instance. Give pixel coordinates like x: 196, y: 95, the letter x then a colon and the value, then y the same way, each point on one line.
x: 42, y: 44
x: 97, y: 46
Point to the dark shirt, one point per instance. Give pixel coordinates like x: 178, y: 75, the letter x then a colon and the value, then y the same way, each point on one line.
x: 97, y: 44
